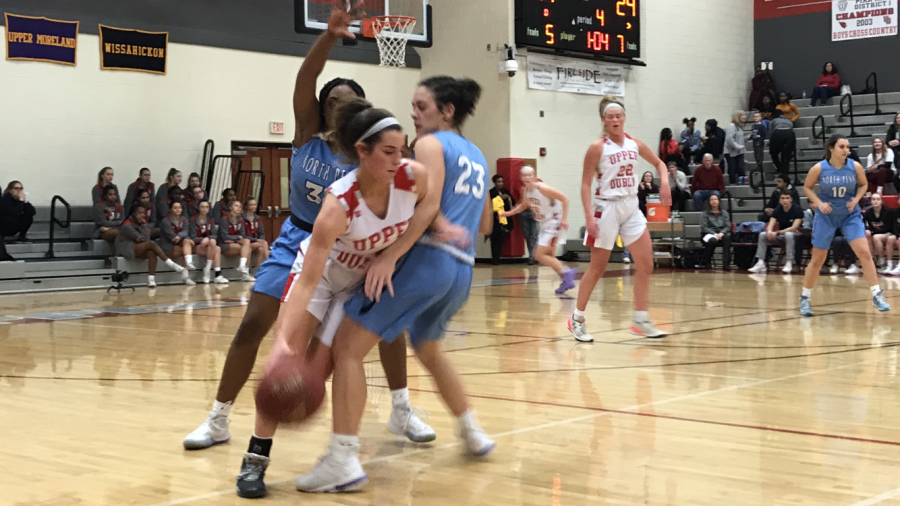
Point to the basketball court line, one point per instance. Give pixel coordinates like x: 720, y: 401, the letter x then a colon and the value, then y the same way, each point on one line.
x: 890, y: 494
x: 546, y: 425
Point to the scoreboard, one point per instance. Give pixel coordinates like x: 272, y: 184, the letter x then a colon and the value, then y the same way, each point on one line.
x: 591, y: 28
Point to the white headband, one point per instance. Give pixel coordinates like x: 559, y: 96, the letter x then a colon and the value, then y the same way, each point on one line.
x: 611, y: 105
x: 377, y: 127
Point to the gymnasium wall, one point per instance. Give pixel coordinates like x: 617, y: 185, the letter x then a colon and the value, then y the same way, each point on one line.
x: 796, y: 36
x: 703, y: 71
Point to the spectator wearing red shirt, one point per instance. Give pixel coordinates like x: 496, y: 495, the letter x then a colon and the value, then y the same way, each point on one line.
x: 828, y: 85
x: 707, y: 180
x: 669, y: 150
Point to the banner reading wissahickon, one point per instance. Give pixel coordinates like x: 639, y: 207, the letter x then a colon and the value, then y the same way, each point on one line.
x: 136, y: 50
x: 41, y: 39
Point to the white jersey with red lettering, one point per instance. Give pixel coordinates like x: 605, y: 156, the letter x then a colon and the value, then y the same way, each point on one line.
x: 547, y: 211
x: 365, y: 237
x: 616, y: 208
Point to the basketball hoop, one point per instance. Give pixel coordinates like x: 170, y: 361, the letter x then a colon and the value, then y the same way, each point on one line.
x: 391, y: 33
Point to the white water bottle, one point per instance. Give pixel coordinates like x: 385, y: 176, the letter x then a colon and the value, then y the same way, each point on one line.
x: 804, y: 93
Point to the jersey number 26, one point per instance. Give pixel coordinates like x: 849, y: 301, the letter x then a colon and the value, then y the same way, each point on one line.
x: 462, y: 186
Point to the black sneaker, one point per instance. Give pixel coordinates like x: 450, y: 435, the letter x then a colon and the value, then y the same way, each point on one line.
x: 250, y: 484
x: 24, y: 240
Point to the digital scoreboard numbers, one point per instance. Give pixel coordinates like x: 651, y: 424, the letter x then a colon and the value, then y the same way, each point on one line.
x: 610, y: 28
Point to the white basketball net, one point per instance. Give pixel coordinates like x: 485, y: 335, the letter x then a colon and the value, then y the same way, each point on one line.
x: 392, y: 33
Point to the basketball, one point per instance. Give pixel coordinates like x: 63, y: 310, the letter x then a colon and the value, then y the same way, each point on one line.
x: 290, y: 391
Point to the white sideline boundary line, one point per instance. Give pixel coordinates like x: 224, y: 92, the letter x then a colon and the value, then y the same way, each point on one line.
x: 890, y: 494
x: 219, y: 493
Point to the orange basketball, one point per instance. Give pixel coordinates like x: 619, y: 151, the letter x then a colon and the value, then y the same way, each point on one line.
x: 290, y: 391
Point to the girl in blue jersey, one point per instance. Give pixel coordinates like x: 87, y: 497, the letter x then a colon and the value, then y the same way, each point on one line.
x: 314, y: 166
x: 430, y: 285
x: 842, y: 184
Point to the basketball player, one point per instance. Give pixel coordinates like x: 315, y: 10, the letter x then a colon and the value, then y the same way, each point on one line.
x: 842, y: 184
x: 430, y: 285
x: 314, y: 167
x: 614, y: 211
x: 362, y: 213
x: 551, y: 210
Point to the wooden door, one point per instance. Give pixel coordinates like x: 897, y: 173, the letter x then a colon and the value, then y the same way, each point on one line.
x: 274, y: 204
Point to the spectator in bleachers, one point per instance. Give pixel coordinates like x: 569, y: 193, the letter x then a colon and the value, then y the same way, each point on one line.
x: 767, y: 108
x: 232, y: 241
x: 681, y: 191
x: 893, y: 135
x: 108, y: 215
x: 762, y: 85
x: 803, y: 241
x: 842, y: 253
x: 646, y: 187
x: 690, y: 141
x: 669, y: 150
x: 759, y: 134
x: 828, y: 85
x: 193, y: 181
x: 707, y: 180
x: 16, y: 217
x: 735, y: 146
x: 173, y: 179
x: 781, y: 183
x: 143, y: 198
x: 782, y: 142
x: 715, y: 229
x: 788, y: 109
x: 787, y: 217
x: 220, y: 210
x: 175, y: 194
x: 714, y: 140
x: 133, y: 241
x: 189, y: 205
x: 104, y: 179
x: 193, y: 205
x: 202, y: 230
x: 141, y: 183
x: 879, y: 166
x: 175, y: 240
x: 880, y: 233
x: 254, y: 231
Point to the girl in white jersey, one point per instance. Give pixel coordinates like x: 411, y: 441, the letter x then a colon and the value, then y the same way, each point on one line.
x: 612, y: 211
x: 551, y: 210
x: 363, y: 213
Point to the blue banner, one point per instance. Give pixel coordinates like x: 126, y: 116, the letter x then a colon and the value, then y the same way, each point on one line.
x: 41, y: 39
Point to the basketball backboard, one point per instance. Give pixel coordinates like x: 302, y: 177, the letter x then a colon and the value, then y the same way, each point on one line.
x: 311, y: 16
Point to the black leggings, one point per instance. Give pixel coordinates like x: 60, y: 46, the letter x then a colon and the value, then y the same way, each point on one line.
x: 710, y: 247
x: 781, y: 146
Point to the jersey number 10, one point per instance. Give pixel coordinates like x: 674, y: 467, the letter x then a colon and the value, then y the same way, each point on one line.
x: 464, y: 188
x: 838, y: 192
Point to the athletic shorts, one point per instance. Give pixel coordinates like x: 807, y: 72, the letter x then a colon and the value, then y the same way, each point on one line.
x: 326, y: 305
x: 825, y: 226
x: 430, y: 286
x: 549, y: 233
x: 273, y: 274
x: 617, y: 218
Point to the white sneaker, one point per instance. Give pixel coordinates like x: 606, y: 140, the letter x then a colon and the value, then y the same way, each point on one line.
x: 206, y: 277
x: 151, y: 283
x: 220, y: 280
x: 214, y: 431
x: 788, y: 267
x: 245, y: 276
x: 333, y: 473
x: 626, y: 260
x: 834, y: 269
x: 646, y: 329
x: 895, y: 271
x: 885, y: 266
x: 186, y: 277
x: 477, y: 442
x: 853, y: 270
x: 189, y: 265
x: 404, y: 422
x: 579, y: 330
x: 759, y: 268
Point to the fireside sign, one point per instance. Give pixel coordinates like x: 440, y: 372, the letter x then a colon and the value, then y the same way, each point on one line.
x: 575, y: 76
x: 41, y: 39
x: 862, y: 19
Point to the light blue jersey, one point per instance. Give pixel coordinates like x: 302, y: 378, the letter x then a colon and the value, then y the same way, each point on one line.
x: 313, y: 169
x: 838, y: 186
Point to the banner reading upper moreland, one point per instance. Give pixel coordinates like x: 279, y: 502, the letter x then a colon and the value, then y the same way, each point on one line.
x: 41, y: 39
x: 863, y: 19
x: 136, y: 50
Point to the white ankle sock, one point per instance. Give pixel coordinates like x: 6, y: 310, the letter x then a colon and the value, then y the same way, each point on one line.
x: 221, y: 408
x: 875, y: 289
x: 467, y: 420
x: 243, y: 263
x: 641, y: 316
x: 171, y: 264
x: 208, y: 266
x: 151, y: 278
x: 344, y: 442
x: 806, y: 292
x: 579, y: 315
x: 400, y: 398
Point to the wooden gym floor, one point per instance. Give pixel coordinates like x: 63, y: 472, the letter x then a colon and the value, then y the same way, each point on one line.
x: 745, y: 404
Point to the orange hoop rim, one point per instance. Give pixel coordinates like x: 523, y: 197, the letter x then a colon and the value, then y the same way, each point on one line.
x: 388, y: 20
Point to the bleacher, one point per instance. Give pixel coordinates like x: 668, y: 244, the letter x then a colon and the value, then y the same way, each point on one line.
x: 746, y: 202
x: 79, y: 262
